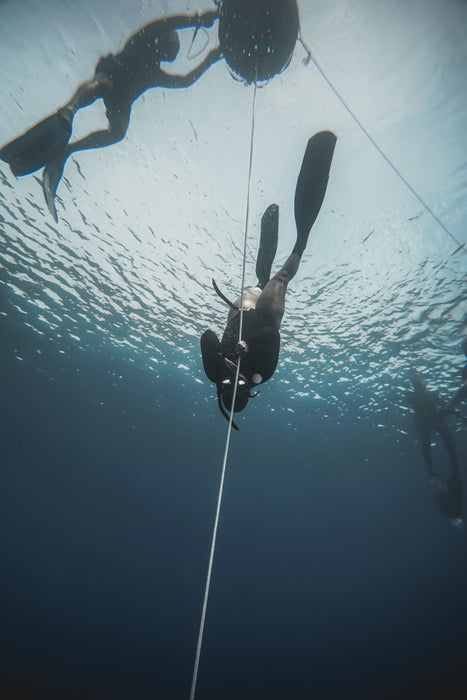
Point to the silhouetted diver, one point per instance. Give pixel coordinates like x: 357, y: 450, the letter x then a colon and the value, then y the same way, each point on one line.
x: 429, y: 419
x: 119, y: 80
x: 264, y: 304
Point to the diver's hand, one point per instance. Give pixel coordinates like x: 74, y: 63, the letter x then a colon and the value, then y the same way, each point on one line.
x: 206, y: 20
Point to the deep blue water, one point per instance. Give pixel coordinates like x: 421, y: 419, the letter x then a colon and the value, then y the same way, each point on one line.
x: 334, y: 577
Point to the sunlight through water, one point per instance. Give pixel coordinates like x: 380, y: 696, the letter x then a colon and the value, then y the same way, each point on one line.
x: 146, y: 223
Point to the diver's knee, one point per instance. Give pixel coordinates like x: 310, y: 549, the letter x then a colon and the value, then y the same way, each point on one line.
x: 118, y: 123
x: 118, y: 131
x: 86, y: 94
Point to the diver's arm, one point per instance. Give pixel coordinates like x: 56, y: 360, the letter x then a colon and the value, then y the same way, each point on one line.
x: 211, y: 354
x: 207, y: 19
x: 153, y: 30
x: 170, y: 24
x: 182, y: 81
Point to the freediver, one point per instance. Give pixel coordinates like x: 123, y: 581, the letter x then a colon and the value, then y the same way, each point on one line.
x: 263, y: 305
x: 118, y: 80
x: 429, y: 419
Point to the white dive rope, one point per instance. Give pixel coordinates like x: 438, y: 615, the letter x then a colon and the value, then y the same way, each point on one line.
x: 229, y: 429
x: 460, y: 246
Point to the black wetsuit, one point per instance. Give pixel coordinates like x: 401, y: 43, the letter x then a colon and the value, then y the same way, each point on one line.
x: 429, y: 419
x: 119, y: 80
x: 262, y: 339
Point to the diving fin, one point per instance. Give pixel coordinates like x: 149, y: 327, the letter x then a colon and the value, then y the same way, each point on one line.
x: 38, y: 146
x: 311, y: 184
x: 52, y: 175
x: 267, y: 244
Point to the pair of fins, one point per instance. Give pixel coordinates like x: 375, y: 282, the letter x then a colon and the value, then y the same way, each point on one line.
x: 309, y: 195
x: 47, y: 139
x: 39, y: 145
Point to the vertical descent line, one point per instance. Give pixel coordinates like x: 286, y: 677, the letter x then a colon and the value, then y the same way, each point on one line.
x: 229, y: 429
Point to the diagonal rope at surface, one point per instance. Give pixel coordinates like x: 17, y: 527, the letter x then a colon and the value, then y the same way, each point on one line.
x: 460, y: 246
x: 229, y: 429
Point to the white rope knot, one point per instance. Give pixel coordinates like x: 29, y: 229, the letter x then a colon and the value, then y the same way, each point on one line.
x: 241, y: 349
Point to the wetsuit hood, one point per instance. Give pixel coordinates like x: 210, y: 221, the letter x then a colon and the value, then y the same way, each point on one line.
x: 227, y: 386
x: 225, y: 392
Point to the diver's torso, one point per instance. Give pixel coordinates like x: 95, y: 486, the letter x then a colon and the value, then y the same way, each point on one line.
x: 132, y: 73
x: 253, y: 322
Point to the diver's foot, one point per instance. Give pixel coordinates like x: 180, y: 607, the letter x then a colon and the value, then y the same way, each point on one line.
x: 52, y: 175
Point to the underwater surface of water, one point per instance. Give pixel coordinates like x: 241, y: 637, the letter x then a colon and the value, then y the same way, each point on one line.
x: 335, y: 575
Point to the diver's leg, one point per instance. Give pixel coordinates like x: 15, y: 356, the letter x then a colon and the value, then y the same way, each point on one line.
x: 454, y: 483
x: 118, y: 119
x: 266, y: 252
x: 118, y: 126
x: 309, y: 195
x: 425, y: 440
x: 450, y: 446
x: 267, y: 244
x: 272, y: 300
x: 48, y: 138
x: 89, y: 92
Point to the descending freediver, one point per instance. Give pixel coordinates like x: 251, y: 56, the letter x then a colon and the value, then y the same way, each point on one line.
x: 118, y: 80
x: 264, y: 304
x: 429, y: 419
